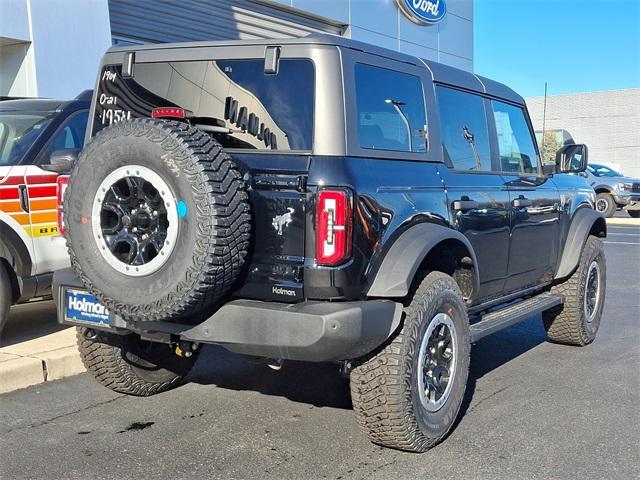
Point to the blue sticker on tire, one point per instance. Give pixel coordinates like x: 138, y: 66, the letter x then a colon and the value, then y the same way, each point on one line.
x: 182, y: 209
x: 83, y: 307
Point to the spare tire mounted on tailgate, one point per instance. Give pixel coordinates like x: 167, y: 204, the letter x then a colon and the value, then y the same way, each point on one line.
x: 159, y: 220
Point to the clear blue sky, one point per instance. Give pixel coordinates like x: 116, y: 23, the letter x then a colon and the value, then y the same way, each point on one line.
x: 574, y: 45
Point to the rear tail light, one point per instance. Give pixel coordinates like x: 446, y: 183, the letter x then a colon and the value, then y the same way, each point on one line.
x: 62, y: 186
x: 333, y: 229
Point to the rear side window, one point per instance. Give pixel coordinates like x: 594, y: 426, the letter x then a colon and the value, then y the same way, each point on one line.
x: 515, y: 142
x: 246, y: 107
x: 391, y: 113
x: 465, y: 136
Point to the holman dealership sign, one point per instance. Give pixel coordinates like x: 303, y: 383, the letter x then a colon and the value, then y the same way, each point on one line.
x: 424, y: 12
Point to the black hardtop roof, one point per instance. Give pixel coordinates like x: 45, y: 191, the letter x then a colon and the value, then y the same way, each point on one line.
x: 43, y: 104
x: 31, y: 105
x: 441, y: 73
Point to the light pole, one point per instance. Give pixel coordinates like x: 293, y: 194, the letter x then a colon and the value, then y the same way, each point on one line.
x: 397, y: 106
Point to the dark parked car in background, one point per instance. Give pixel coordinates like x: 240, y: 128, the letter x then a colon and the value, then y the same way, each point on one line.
x: 31, y: 130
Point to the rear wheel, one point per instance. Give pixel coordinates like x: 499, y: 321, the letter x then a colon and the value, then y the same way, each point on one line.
x: 5, y: 296
x: 128, y: 364
x: 634, y: 213
x: 408, y: 394
x: 605, y: 204
x: 576, y: 322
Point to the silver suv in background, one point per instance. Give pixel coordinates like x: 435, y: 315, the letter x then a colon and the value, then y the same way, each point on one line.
x: 613, y: 190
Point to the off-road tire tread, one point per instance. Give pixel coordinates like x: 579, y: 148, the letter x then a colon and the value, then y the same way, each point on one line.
x: 381, y: 382
x: 223, y: 212
x: 564, y: 323
x: 106, y: 363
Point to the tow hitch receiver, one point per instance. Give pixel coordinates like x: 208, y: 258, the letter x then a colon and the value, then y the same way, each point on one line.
x: 186, y: 349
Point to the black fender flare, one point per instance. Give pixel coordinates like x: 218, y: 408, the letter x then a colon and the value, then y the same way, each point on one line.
x: 604, y: 186
x: 14, y: 251
x: 399, y: 265
x: 585, y: 220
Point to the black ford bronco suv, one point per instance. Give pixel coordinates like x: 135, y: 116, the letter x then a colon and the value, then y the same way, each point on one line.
x: 323, y: 200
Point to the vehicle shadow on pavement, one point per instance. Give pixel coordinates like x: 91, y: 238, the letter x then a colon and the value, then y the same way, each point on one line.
x: 322, y: 385
x: 30, y: 321
x: 499, y: 349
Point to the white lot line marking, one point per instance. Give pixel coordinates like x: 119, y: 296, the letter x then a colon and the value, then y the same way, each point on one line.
x: 630, y: 234
x: 625, y: 243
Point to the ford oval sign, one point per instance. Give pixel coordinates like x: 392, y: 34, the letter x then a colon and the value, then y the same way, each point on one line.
x: 423, y: 12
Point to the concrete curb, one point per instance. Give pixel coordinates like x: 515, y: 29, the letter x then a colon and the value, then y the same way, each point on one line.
x: 19, y: 372
x: 623, y: 221
x: 62, y: 363
x: 50, y: 357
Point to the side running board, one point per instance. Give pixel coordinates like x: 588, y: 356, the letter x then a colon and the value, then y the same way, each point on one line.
x: 512, y: 314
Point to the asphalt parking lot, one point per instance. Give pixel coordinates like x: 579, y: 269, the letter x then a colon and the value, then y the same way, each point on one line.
x: 534, y: 410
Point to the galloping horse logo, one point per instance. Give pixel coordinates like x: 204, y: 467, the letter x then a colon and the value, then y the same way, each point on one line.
x: 281, y: 221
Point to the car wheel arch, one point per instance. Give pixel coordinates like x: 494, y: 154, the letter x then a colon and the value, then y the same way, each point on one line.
x: 426, y: 246
x: 585, y: 222
x: 603, y: 189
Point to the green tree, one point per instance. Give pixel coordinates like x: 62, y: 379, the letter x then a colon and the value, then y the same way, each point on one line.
x: 549, y: 146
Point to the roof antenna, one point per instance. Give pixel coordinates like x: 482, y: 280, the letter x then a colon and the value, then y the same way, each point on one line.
x: 544, y: 119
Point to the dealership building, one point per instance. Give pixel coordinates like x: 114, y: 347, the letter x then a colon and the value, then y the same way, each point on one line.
x: 606, y: 121
x: 52, y: 48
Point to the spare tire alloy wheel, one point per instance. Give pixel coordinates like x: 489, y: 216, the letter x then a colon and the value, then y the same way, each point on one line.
x: 135, y: 220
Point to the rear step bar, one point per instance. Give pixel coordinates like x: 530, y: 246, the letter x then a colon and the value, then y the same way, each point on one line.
x: 512, y: 314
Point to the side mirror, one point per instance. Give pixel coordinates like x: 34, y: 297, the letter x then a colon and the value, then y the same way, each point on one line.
x: 61, y: 161
x: 572, y: 158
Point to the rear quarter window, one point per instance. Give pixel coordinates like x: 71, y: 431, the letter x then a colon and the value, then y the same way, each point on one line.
x: 391, y: 110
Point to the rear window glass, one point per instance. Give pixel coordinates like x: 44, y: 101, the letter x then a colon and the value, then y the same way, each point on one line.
x: 242, y: 106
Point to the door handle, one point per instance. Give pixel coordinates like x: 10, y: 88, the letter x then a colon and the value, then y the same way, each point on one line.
x: 24, y: 197
x: 465, y: 205
x: 522, y: 202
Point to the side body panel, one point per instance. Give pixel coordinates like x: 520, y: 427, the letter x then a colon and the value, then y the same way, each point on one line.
x: 535, y: 231
x: 391, y: 197
x: 49, y: 247
x: 28, y: 207
x: 16, y: 246
x: 486, y: 225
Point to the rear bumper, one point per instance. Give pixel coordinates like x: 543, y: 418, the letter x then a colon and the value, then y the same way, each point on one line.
x: 309, y: 331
